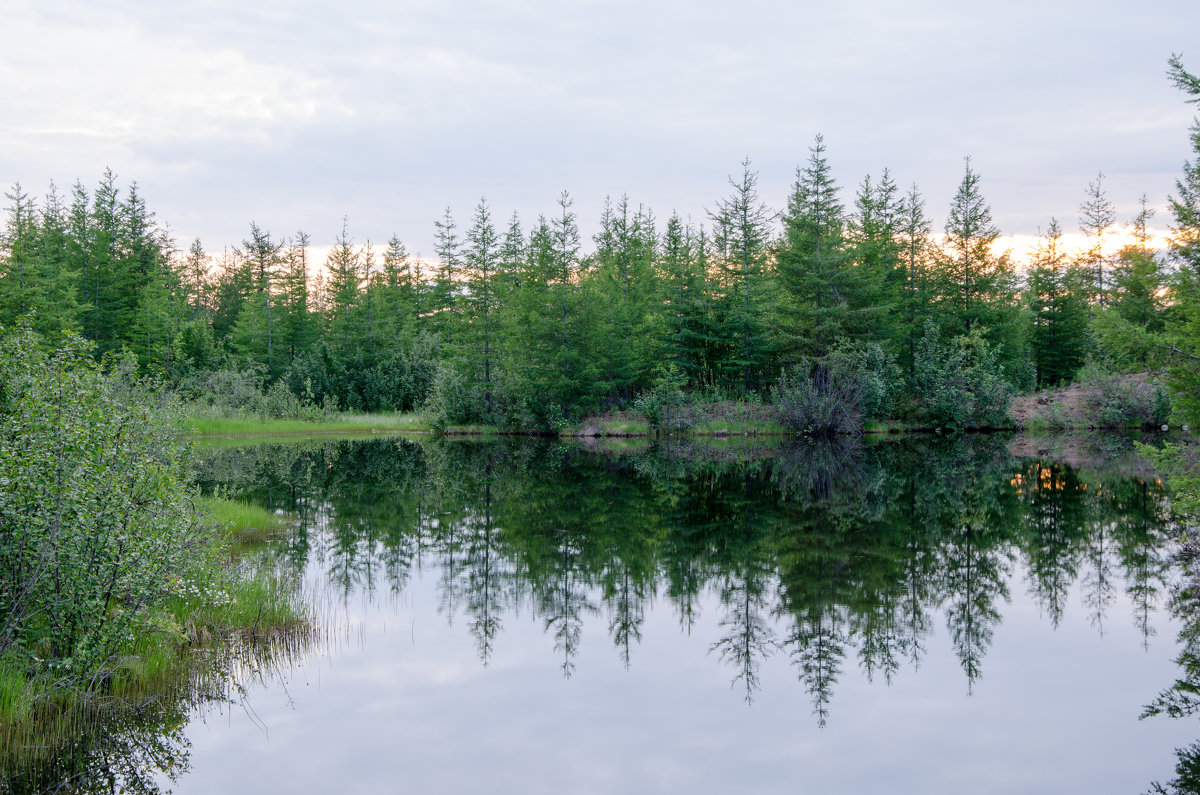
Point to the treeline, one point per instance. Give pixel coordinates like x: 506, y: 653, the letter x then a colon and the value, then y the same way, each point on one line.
x: 519, y: 325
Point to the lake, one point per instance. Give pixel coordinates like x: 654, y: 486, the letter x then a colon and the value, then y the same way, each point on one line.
x: 532, y: 616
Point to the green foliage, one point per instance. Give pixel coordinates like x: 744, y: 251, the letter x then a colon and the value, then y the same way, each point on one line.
x: 452, y: 400
x: 876, y: 373
x: 819, y: 399
x: 959, y: 384
x: 1117, y: 402
x: 1057, y: 304
x: 661, y: 403
x: 97, y: 526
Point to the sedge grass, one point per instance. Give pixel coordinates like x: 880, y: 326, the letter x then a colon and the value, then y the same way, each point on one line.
x: 362, y: 423
x: 242, y: 521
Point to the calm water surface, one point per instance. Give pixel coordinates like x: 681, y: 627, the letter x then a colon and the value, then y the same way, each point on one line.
x: 537, y: 617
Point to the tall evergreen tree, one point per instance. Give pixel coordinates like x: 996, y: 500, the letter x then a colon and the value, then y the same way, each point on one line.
x: 482, y: 253
x: 1184, y: 331
x: 1096, y: 216
x: 19, y: 288
x: 344, y: 269
x: 815, y: 270
x: 1057, y: 304
x: 915, y: 230
x: 262, y: 256
x: 741, y: 224
x: 448, y: 248
x: 1139, y: 279
x: 59, y: 288
x: 977, y: 286
x: 194, y: 277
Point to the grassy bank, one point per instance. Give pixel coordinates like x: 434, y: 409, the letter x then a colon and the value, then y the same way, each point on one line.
x: 228, y: 610
x: 345, y: 423
x: 241, y: 521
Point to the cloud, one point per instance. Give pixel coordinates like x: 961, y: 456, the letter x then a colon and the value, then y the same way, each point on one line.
x: 297, y: 113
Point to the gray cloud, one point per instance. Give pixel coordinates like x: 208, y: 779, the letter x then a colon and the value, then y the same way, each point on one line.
x: 295, y: 114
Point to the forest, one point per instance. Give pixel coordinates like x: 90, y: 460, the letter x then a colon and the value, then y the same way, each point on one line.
x: 838, y: 310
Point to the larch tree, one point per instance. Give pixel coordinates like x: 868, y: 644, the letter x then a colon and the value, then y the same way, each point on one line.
x: 480, y: 258
x: 1096, y: 216
x: 914, y: 235
x: 343, y: 289
x: 1058, y: 308
x: 741, y: 230
x: 448, y: 248
x: 1184, y: 332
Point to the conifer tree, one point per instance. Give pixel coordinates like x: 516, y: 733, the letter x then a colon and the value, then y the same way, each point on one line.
x: 194, y: 276
x: 296, y: 326
x: 915, y: 229
x: 975, y: 285
x: 1057, y: 304
x: 815, y: 269
x: 448, y: 248
x: 343, y: 289
x: 19, y: 293
x: 261, y: 256
x: 59, y: 288
x: 1139, y: 279
x: 483, y: 250
x: 1096, y: 216
x: 741, y: 224
x: 1184, y: 331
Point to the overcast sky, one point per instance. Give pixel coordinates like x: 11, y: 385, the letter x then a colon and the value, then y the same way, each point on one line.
x: 294, y: 114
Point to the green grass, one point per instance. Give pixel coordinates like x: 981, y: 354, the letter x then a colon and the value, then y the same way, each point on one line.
x: 257, y: 613
x: 737, y: 427
x: 221, y: 426
x: 16, y: 692
x: 241, y: 520
x: 471, y: 430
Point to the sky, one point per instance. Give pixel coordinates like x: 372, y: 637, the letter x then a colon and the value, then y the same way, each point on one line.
x: 300, y: 115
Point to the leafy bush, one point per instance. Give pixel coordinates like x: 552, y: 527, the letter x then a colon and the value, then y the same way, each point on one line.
x: 1118, y: 402
x: 959, y: 384
x: 661, y: 404
x: 97, y: 525
x: 820, y: 399
x: 875, y: 372
x: 453, y: 400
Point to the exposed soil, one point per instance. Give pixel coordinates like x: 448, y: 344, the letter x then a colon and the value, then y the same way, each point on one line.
x: 1071, y: 406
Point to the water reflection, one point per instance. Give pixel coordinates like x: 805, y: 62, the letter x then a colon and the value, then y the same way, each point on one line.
x: 832, y: 555
x: 132, y: 744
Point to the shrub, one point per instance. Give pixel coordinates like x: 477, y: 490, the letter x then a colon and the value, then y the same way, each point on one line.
x: 97, y: 525
x: 819, y: 399
x: 661, y: 404
x: 875, y: 372
x: 452, y: 400
x: 959, y: 384
x: 1118, y: 402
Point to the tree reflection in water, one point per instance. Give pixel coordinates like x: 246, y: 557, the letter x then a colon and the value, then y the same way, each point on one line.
x: 831, y: 555
x: 821, y: 551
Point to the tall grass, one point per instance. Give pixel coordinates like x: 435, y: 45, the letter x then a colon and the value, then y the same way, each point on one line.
x: 241, y: 521
x: 225, y: 426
